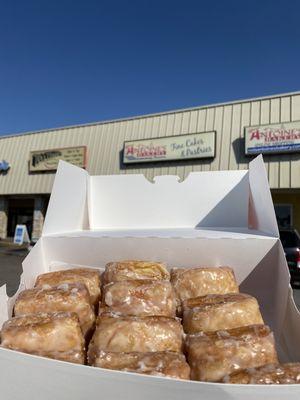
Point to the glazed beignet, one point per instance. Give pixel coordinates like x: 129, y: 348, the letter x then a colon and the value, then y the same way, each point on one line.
x: 88, y: 276
x: 164, y: 363
x: 129, y: 334
x: 200, y: 281
x: 271, y: 374
x: 135, y: 269
x: 140, y: 298
x: 213, y: 355
x: 55, y: 335
x: 220, y: 311
x: 69, y: 297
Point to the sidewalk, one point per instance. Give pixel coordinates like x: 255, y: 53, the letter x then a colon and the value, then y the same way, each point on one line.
x: 8, y: 247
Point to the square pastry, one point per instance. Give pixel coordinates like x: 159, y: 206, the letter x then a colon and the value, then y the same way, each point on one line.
x: 220, y: 311
x: 213, y: 355
x: 163, y: 363
x: 271, y: 374
x: 88, y: 276
x: 200, y: 281
x: 70, y: 297
x: 140, y: 298
x: 135, y: 269
x: 55, y: 335
x: 130, y: 334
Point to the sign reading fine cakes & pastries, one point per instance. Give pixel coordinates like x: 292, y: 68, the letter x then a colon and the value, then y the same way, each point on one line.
x: 273, y: 138
x: 182, y: 147
x: 47, y: 160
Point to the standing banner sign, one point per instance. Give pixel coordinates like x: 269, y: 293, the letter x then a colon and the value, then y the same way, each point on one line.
x: 21, y: 235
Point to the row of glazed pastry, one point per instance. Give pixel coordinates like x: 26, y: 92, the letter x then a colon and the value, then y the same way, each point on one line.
x: 211, y: 307
x: 226, y: 339
x: 137, y: 329
x: 56, y: 318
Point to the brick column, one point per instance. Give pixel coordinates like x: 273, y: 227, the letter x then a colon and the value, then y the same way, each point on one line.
x: 38, y: 218
x: 3, y: 217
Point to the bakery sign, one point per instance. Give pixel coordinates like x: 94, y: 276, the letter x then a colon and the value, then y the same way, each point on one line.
x: 47, y: 160
x: 273, y: 138
x: 182, y: 147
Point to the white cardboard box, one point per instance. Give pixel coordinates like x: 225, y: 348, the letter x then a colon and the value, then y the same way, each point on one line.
x: 211, y: 218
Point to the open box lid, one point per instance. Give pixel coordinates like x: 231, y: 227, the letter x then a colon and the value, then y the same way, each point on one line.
x: 85, y: 206
x: 216, y: 199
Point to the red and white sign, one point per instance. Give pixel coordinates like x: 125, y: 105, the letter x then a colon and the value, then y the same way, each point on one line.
x: 273, y: 138
x: 181, y: 147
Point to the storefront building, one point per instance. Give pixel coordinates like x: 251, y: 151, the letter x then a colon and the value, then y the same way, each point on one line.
x: 215, y: 137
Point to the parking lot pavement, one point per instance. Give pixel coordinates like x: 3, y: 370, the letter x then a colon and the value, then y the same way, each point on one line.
x: 297, y: 297
x: 11, y: 268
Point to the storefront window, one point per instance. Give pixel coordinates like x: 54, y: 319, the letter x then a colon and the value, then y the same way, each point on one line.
x: 284, y: 215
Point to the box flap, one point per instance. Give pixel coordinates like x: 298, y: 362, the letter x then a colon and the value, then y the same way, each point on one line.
x: 183, y: 233
x: 203, y: 199
x: 67, y: 210
x: 261, y: 210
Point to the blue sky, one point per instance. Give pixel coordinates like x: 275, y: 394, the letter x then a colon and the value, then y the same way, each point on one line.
x: 69, y: 62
